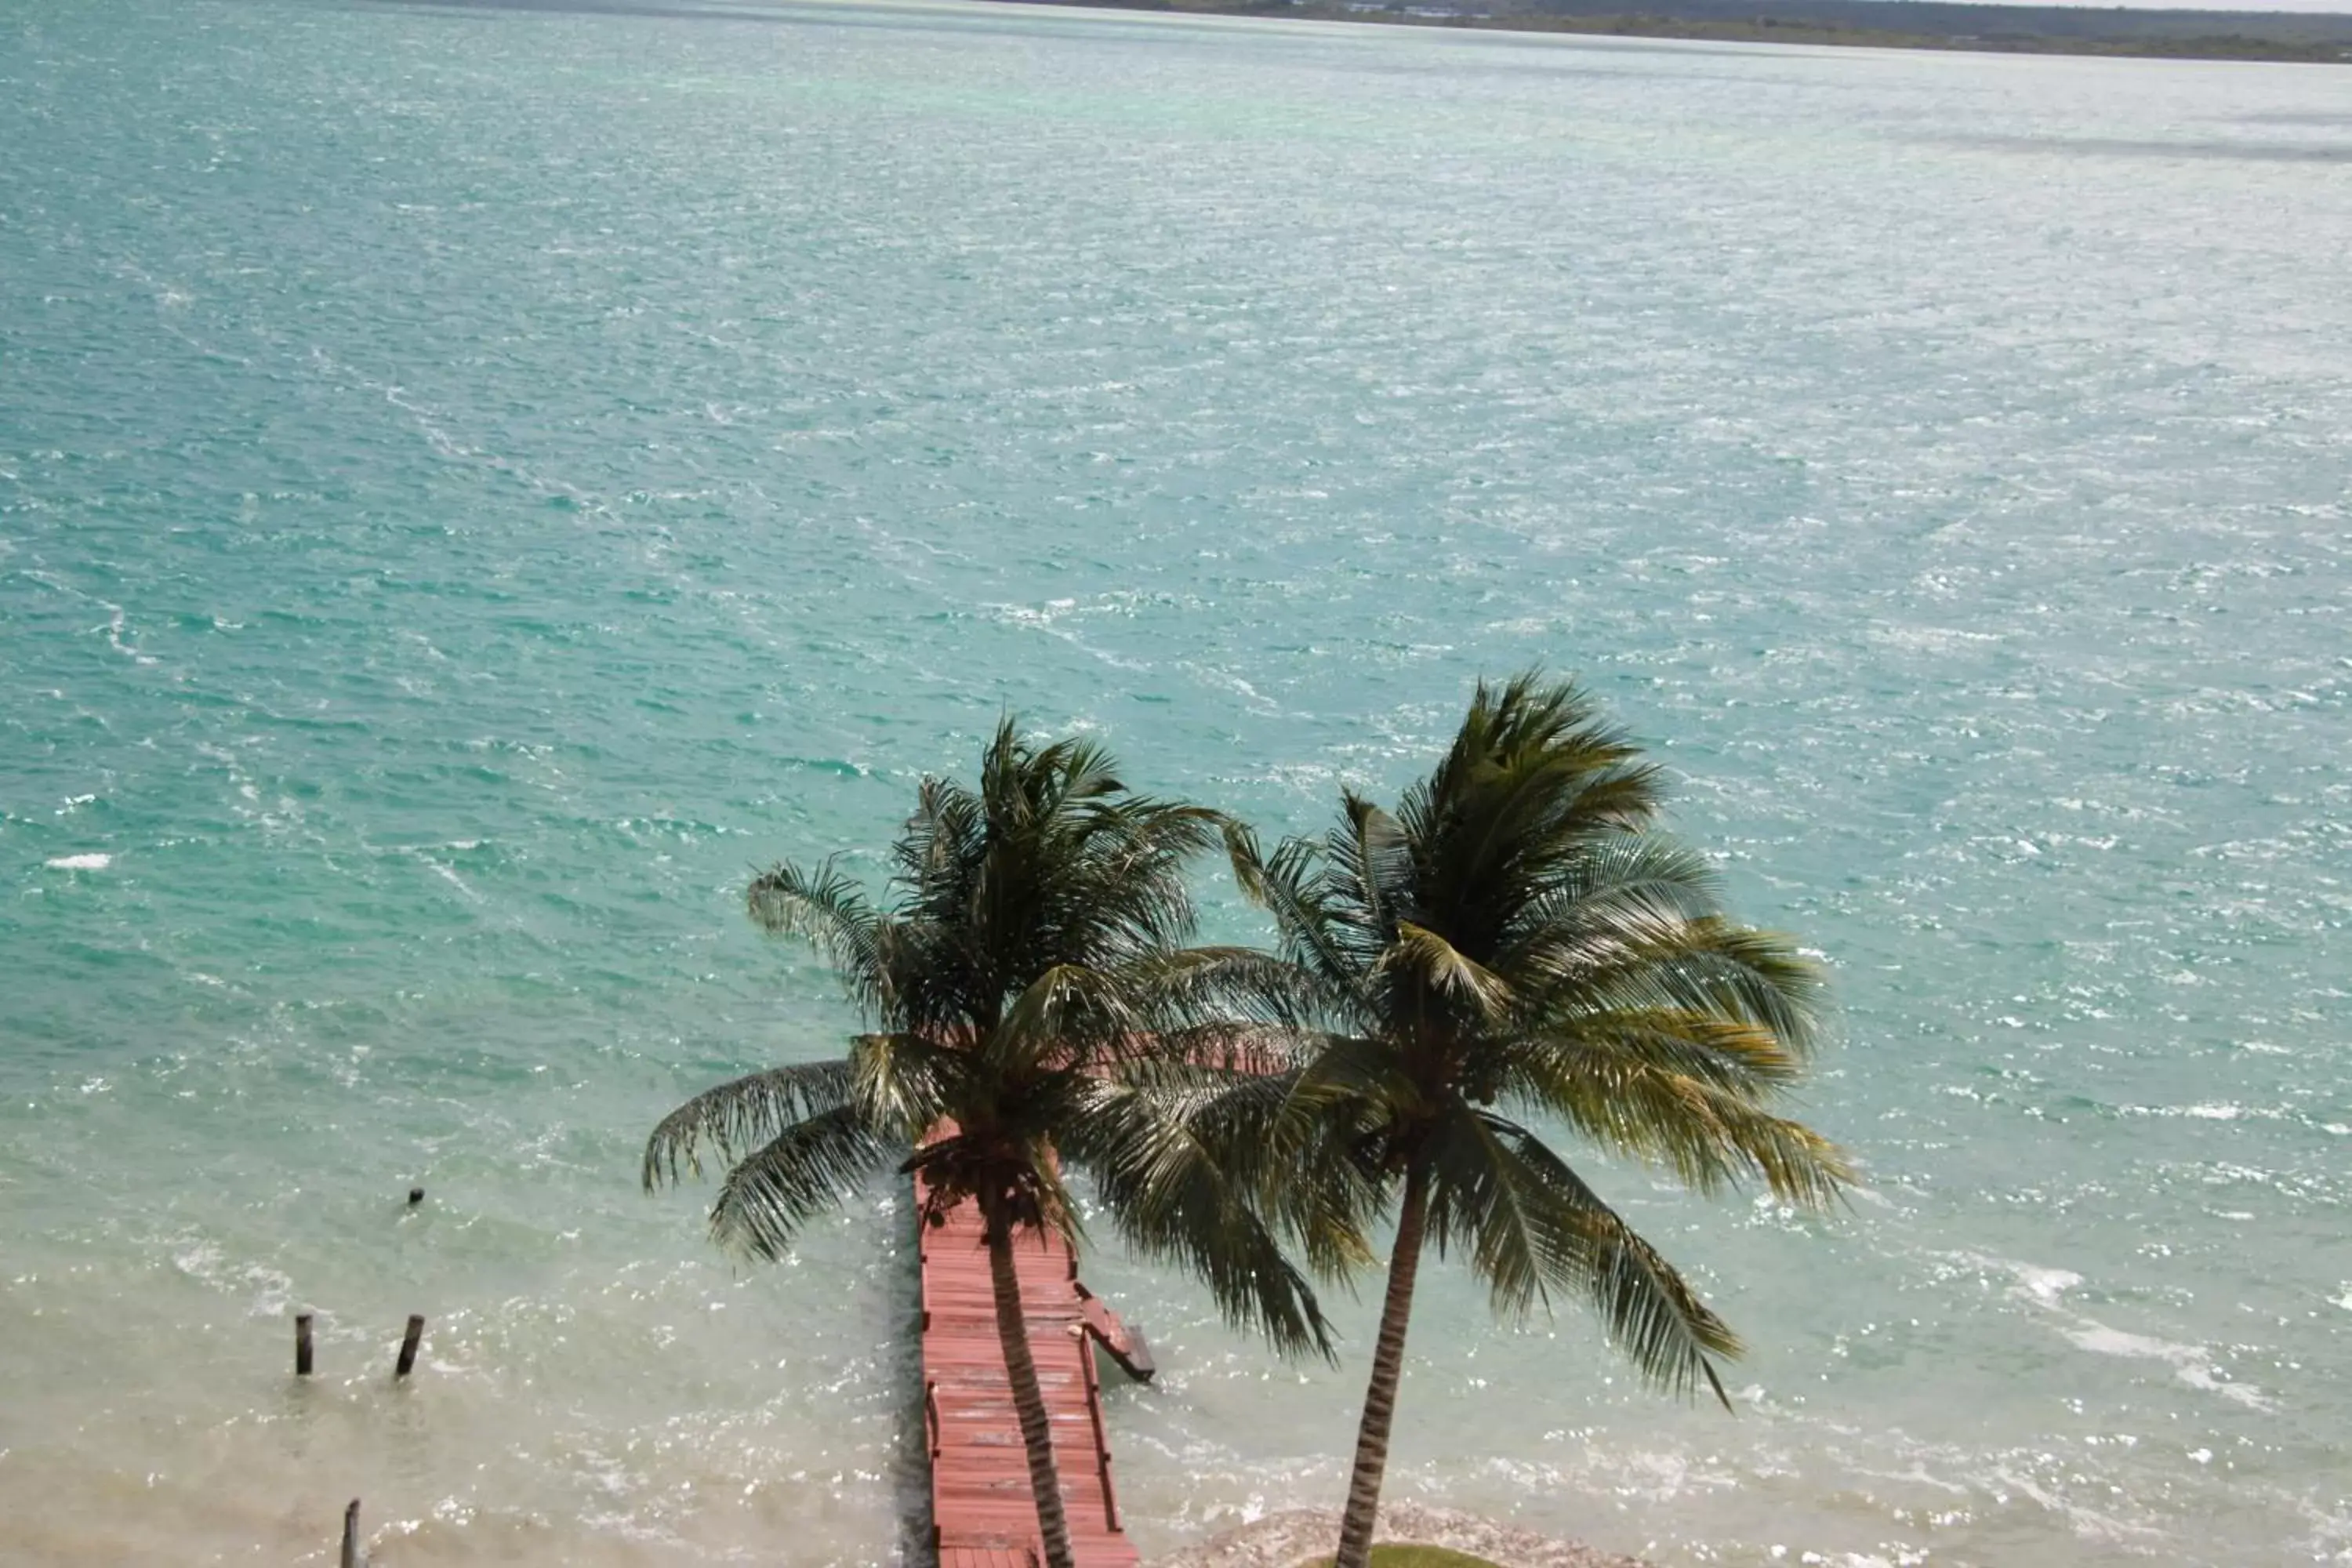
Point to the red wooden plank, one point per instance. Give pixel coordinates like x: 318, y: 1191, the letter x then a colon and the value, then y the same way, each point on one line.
x: 982, y: 1504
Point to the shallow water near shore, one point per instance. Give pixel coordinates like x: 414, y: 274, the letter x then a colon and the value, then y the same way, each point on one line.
x: 475, y: 479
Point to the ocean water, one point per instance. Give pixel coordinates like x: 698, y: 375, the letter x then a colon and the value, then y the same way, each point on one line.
x: 477, y: 479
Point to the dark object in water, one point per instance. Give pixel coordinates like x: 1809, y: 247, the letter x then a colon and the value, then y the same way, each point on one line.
x: 301, y: 1344
x: 415, y: 1196
x: 409, y: 1344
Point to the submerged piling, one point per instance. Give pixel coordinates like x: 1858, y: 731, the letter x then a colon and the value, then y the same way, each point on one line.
x: 408, y: 1344
x: 301, y: 1344
x: 350, y: 1558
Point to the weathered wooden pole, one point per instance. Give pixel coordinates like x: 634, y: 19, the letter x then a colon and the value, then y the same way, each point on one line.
x: 301, y: 1344
x: 350, y: 1558
x: 409, y: 1344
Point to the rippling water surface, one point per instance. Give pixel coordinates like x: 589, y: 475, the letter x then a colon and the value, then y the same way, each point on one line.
x: 475, y: 478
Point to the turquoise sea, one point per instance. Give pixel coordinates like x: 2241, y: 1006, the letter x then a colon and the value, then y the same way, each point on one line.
x: 475, y: 479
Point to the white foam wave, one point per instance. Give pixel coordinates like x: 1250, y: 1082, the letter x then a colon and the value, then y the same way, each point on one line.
x: 2036, y: 1283
x: 268, y: 1292
x: 2087, y: 1523
x: 81, y: 862
x: 2219, y: 1111
x: 118, y: 622
x: 2045, y: 1288
x: 2192, y: 1365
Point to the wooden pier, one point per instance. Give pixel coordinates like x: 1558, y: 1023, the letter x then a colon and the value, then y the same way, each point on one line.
x: 982, y: 1510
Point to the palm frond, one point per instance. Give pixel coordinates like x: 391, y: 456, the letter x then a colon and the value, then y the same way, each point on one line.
x: 1227, y: 984
x: 1533, y: 776
x: 1614, y: 882
x: 1709, y: 965
x: 938, y: 853
x: 1449, y: 972
x: 1070, y: 1016
x: 826, y: 909
x: 1373, y: 860
x: 1372, y: 1075
x: 807, y: 1168
x: 1731, y: 1055
x: 1520, y: 1237
x: 1711, y: 1138
x: 905, y: 1082
x: 1182, y: 1188
x: 741, y: 1114
x: 1215, y: 1051
x: 1289, y: 887
x: 1655, y: 1318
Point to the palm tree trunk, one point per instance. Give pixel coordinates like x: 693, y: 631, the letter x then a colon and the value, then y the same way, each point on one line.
x: 1387, y: 1368
x: 1036, y: 1426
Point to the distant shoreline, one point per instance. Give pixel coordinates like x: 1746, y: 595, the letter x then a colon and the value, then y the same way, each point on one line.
x: 1762, y: 28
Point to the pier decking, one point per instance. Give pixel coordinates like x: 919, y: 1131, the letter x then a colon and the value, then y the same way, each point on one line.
x: 982, y: 1510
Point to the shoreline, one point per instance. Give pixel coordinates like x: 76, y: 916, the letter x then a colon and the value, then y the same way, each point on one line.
x: 1761, y: 29
x: 1294, y: 1536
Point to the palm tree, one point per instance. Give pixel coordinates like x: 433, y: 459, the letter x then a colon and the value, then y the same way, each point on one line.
x: 1517, y: 945
x: 1030, y: 1004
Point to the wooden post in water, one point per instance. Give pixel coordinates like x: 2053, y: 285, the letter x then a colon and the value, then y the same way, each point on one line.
x: 301, y: 1344
x: 350, y: 1558
x: 409, y: 1344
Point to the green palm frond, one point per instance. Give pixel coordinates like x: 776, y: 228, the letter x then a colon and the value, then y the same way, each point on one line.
x: 1318, y: 1164
x: 938, y: 852
x: 1071, y: 771
x: 1230, y: 985
x: 827, y: 909
x: 1215, y: 1051
x: 1710, y: 1137
x: 906, y: 1082
x: 1484, y: 996
x: 1520, y: 1236
x: 1729, y: 1053
x: 1180, y: 1188
x: 809, y: 1167
x: 740, y: 1115
x: 1655, y: 1318
x: 1289, y: 886
x: 1613, y: 883
x: 1706, y: 964
x: 1370, y: 1079
x: 1070, y: 1016
x: 1372, y: 867
x: 1527, y: 719
x: 1532, y: 1228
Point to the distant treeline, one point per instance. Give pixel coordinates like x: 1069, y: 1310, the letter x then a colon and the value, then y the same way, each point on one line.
x: 1881, y: 24
x: 1940, y: 18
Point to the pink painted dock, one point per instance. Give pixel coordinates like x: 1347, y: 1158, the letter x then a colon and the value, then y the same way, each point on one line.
x: 983, y: 1508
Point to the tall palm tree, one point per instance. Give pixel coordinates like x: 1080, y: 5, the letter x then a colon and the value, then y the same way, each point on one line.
x: 1518, y: 946
x: 1030, y: 1004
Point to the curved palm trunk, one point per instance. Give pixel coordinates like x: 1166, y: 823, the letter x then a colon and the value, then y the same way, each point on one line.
x: 1388, y: 1367
x: 1036, y: 1426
